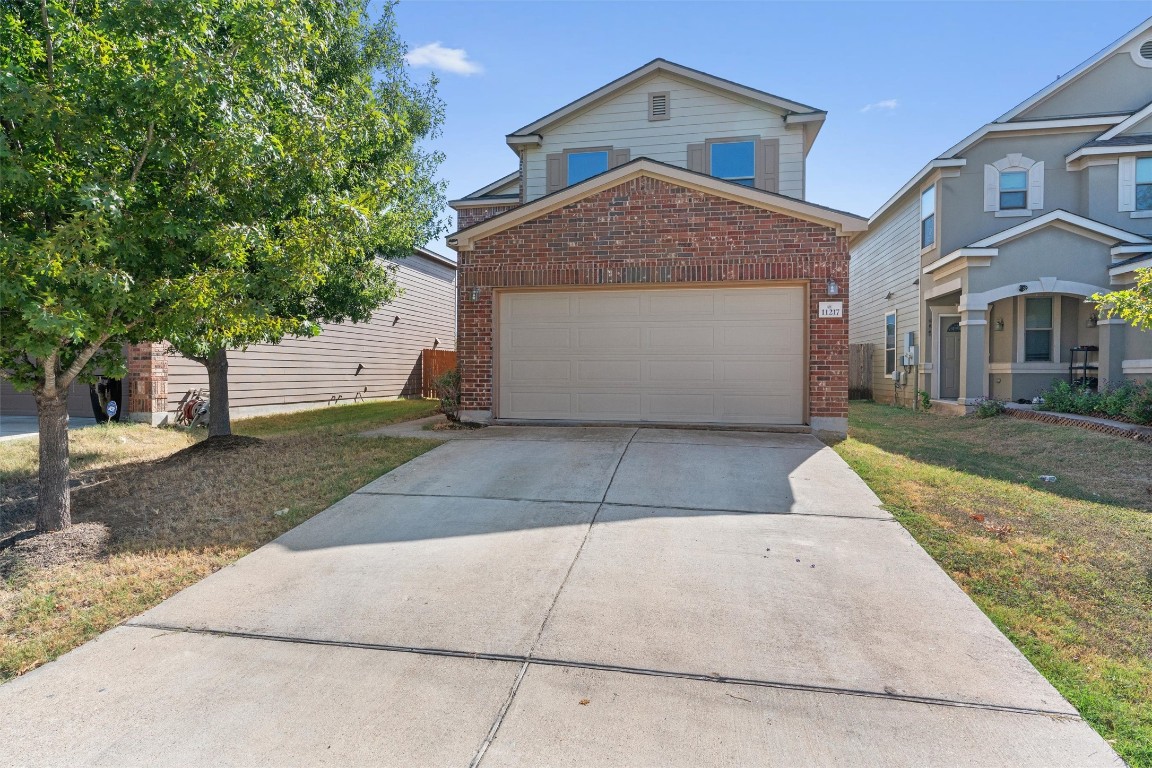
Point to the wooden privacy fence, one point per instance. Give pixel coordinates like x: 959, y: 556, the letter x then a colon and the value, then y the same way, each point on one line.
x: 859, y: 371
x: 435, y: 362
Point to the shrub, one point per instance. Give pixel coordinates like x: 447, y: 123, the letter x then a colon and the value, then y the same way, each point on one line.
x: 925, y: 399
x: 987, y: 407
x: 1129, y: 401
x: 447, y: 389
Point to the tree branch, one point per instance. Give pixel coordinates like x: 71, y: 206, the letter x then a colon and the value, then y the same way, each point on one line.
x: 81, y: 360
x: 50, y: 60
x: 143, y: 152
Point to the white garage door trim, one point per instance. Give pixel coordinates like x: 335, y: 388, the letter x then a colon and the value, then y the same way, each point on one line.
x: 716, y: 353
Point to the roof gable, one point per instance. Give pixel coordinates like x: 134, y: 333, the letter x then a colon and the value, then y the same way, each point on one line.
x: 844, y: 223
x: 1029, y: 108
x: 658, y: 66
x: 1064, y: 220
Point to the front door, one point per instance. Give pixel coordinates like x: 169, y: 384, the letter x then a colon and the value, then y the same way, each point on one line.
x: 950, y: 358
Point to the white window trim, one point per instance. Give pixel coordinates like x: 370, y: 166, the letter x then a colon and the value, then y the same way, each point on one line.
x: 1022, y: 321
x: 895, y: 341
x: 1126, y: 192
x: 935, y: 220
x: 1035, y: 190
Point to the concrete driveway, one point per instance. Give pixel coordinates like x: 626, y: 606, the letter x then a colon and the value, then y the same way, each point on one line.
x: 531, y: 596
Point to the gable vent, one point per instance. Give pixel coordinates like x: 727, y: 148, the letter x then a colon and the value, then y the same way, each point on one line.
x: 658, y: 106
x: 1146, y: 50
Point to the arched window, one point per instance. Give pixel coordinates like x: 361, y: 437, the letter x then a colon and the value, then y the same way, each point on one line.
x: 1014, y: 186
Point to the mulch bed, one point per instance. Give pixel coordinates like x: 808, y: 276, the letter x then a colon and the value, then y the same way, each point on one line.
x: 82, y: 541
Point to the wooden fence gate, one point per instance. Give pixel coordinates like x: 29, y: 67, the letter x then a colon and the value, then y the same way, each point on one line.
x: 859, y: 371
x: 435, y: 362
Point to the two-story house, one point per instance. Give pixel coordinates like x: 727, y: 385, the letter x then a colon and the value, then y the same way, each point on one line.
x: 989, y: 254
x: 653, y: 259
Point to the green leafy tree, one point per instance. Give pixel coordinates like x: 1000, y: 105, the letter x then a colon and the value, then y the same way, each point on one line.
x: 139, y: 141
x: 308, y: 233
x: 1133, y: 305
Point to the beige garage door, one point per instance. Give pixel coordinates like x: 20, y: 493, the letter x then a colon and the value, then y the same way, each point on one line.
x: 691, y: 355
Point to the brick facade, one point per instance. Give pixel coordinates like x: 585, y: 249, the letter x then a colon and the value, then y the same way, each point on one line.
x: 147, y: 382
x: 649, y: 231
x: 466, y: 217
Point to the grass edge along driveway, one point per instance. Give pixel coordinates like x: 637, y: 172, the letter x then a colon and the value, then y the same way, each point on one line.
x: 176, y: 514
x: 1064, y: 569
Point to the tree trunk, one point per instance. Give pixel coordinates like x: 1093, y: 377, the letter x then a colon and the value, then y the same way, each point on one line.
x: 219, y: 423
x: 54, y: 503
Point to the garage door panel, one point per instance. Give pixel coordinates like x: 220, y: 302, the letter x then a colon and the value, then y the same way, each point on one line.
x: 607, y: 405
x: 685, y: 355
x: 539, y: 405
x: 686, y: 372
x: 533, y: 306
x: 546, y: 338
x: 681, y: 338
x: 677, y: 304
x: 608, y: 371
x: 608, y: 337
x: 537, y: 372
x: 607, y: 304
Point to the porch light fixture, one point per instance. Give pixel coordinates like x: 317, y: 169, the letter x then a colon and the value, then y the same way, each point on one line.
x: 999, y: 323
x: 1093, y: 320
x: 475, y: 294
x: 833, y: 288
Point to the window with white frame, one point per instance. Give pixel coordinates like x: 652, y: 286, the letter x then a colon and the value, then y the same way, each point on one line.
x: 1038, y: 330
x: 1144, y: 183
x: 889, y: 343
x: 928, y: 217
x: 1014, y: 186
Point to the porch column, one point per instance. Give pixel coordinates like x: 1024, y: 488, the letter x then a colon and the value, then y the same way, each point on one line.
x: 1111, y: 354
x: 147, y: 391
x: 973, y: 354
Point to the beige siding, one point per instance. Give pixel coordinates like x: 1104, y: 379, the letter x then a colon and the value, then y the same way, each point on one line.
x: 886, y: 259
x: 13, y: 403
x: 299, y: 372
x: 696, y: 114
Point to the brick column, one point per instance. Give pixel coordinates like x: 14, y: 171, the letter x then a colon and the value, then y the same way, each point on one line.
x: 147, y: 385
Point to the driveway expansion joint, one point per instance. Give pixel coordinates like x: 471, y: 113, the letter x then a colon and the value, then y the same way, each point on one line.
x: 527, y: 660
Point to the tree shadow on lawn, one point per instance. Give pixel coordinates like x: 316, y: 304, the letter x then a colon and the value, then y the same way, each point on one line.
x: 1088, y: 466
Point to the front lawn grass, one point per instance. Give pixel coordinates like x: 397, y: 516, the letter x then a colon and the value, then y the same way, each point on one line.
x: 178, y: 515
x: 1064, y: 569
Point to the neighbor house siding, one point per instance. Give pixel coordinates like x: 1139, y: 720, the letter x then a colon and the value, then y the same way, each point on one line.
x: 886, y: 259
x: 696, y: 114
x: 322, y: 369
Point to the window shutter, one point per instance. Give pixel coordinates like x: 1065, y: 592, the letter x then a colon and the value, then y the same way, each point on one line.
x: 696, y: 157
x: 556, y: 172
x: 619, y: 157
x: 991, y: 188
x: 1127, y: 183
x: 768, y: 166
x: 1036, y: 186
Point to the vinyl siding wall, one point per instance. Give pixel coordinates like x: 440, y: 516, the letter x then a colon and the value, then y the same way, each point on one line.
x: 696, y: 114
x: 300, y: 373
x: 886, y: 258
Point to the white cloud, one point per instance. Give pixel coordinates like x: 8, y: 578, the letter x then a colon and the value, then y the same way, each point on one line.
x: 885, y: 104
x: 436, y: 56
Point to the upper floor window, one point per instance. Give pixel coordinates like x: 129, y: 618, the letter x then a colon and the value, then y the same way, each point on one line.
x: 1144, y: 183
x: 1014, y: 186
x: 1013, y: 190
x: 585, y: 165
x: 928, y: 217
x: 734, y: 161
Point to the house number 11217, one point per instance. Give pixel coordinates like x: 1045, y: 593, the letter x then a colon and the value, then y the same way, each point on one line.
x: 831, y: 309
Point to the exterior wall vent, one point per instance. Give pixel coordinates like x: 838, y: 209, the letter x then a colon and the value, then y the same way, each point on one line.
x: 1146, y: 50
x: 658, y: 106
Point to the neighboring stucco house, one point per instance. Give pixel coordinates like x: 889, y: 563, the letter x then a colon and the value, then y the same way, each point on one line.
x: 346, y: 363
x: 988, y: 254
x: 653, y: 260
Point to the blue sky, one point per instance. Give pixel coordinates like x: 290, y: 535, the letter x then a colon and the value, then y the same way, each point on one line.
x: 901, y: 82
